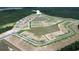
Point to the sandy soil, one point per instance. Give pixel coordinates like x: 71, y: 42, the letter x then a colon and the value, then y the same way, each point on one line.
x: 19, y: 44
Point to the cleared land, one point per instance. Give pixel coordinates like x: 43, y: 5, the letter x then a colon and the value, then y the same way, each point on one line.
x: 69, y: 31
x: 54, y: 36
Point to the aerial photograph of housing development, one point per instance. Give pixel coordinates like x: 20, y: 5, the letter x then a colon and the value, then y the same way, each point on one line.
x: 39, y: 28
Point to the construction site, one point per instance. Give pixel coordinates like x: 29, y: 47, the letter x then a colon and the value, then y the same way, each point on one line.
x: 41, y: 32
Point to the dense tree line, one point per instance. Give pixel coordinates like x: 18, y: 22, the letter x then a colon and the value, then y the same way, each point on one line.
x: 72, y: 47
x: 5, y: 29
x: 9, y: 16
x: 62, y: 12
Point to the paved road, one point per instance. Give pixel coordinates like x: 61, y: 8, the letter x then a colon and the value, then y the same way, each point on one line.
x: 3, y: 35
